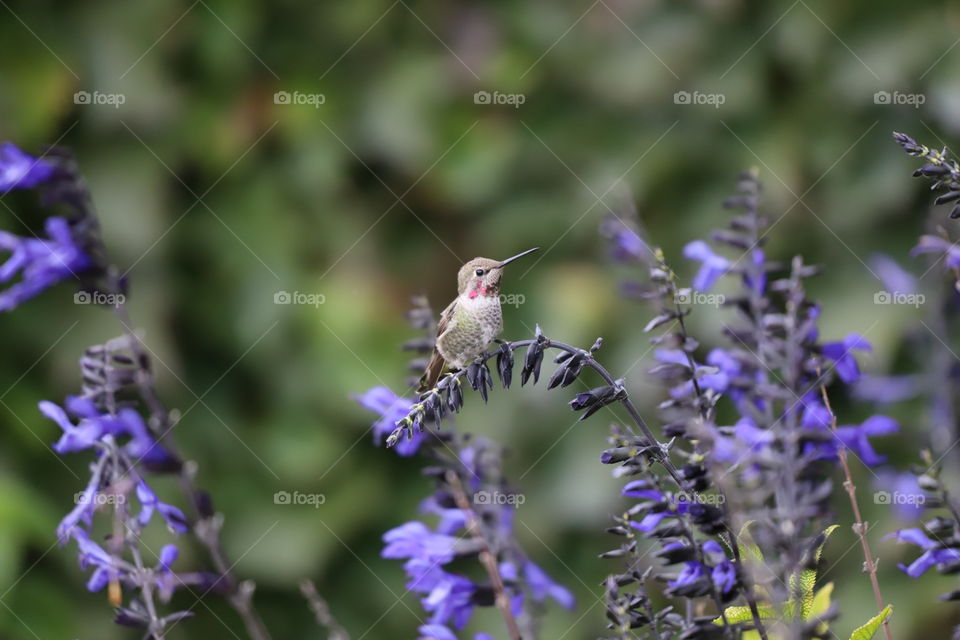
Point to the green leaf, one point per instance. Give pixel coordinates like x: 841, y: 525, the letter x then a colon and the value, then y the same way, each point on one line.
x: 808, y: 577
x: 867, y: 631
x: 745, y: 540
x: 821, y: 602
x: 743, y: 614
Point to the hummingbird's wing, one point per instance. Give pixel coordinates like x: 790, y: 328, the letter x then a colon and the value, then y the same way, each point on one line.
x: 436, y: 364
x: 445, y: 319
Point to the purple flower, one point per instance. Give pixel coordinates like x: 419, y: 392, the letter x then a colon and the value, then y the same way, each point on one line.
x: 93, y: 426
x: 936, y: 244
x: 82, y: 513
x: 628, y: 245
x: 933, y: 553
x: 435, y: 632
x: 746, y: 434
x: 19, y: 170
x: 841, y: 354
x: 892, y: 276
x: 724, y: 577
x: 760, y: 283
x: 451, y: 600
x: 104, y: 565
x: 713, y: 267
x: 164, y: 577
x: 691, y: 580
x: 391, y: 408
x: 814, y: 414
x: 541, y: 586
x: 414, y: 540
x: 640, y: 489
x: 650, y: 521
x: 452, y: 519
x: 886, y: 389
x: 857, y: 437
x: 40, y: 262
x: 176, y: 521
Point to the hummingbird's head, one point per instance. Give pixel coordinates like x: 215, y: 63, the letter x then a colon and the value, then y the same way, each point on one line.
x: 481, y: 276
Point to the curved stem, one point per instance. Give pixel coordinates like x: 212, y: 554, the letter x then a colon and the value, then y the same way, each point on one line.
x: 406, y: 424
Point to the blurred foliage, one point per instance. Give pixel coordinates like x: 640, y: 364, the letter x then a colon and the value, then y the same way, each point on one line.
x: 215, y: 197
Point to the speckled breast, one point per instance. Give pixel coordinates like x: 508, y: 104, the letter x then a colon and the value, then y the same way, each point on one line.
x: 474, y: 325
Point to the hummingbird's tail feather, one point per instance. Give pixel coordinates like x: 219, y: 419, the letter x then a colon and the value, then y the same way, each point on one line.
x: 434, y: 368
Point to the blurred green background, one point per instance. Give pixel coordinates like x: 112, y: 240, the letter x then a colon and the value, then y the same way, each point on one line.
x: 215, y: 197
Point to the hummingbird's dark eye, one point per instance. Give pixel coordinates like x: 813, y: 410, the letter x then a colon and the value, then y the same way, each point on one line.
x: 480, y: 272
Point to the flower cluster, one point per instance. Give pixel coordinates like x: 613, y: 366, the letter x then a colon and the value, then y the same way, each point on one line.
x: 36, y: 263
x: 117, y: 417
x: 473, y: 505
x: 472, y: 521
x: 773, y: 466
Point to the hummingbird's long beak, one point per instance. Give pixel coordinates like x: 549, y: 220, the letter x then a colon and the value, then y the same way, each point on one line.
x: 519, y: 255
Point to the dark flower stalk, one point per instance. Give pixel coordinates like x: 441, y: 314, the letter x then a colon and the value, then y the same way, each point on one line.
x: 117, y: 379
x: 939, y: 536
x: 689, y: 414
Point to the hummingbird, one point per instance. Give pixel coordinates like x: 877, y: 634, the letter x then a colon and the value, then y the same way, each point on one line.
x: 471, y: 321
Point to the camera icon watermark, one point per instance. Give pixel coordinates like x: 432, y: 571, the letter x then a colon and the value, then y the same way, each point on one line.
x: 498, y: 498
x: 98, y: 98
x: 699, y: 98
x: 898, y: 498
x: 99, y: 298
x: 496, y: 97
x: 899, y: 98
x: 299, y: 297
x: 99, y: 499
x: 897, y: 297
x: 298, y: 498
x: 695, y: 497
x: 688, y: 296
x: 299, y: 98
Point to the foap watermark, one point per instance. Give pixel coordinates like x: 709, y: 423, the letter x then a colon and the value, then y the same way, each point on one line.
x: 898, y: 498
x: 499, y: 498
x: 699, y: 97
x: 898, y: 297
x: 695, y: 497
x: 691, y: 297
x: 486, y: 97
x: 898, y: 97
x: 299, y: 98
x: 99, y: 98
x: 299, y: 297
x: 99, y: 499
x: 298, y: 498
x: 99, y: 298
x: 512, y: 299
